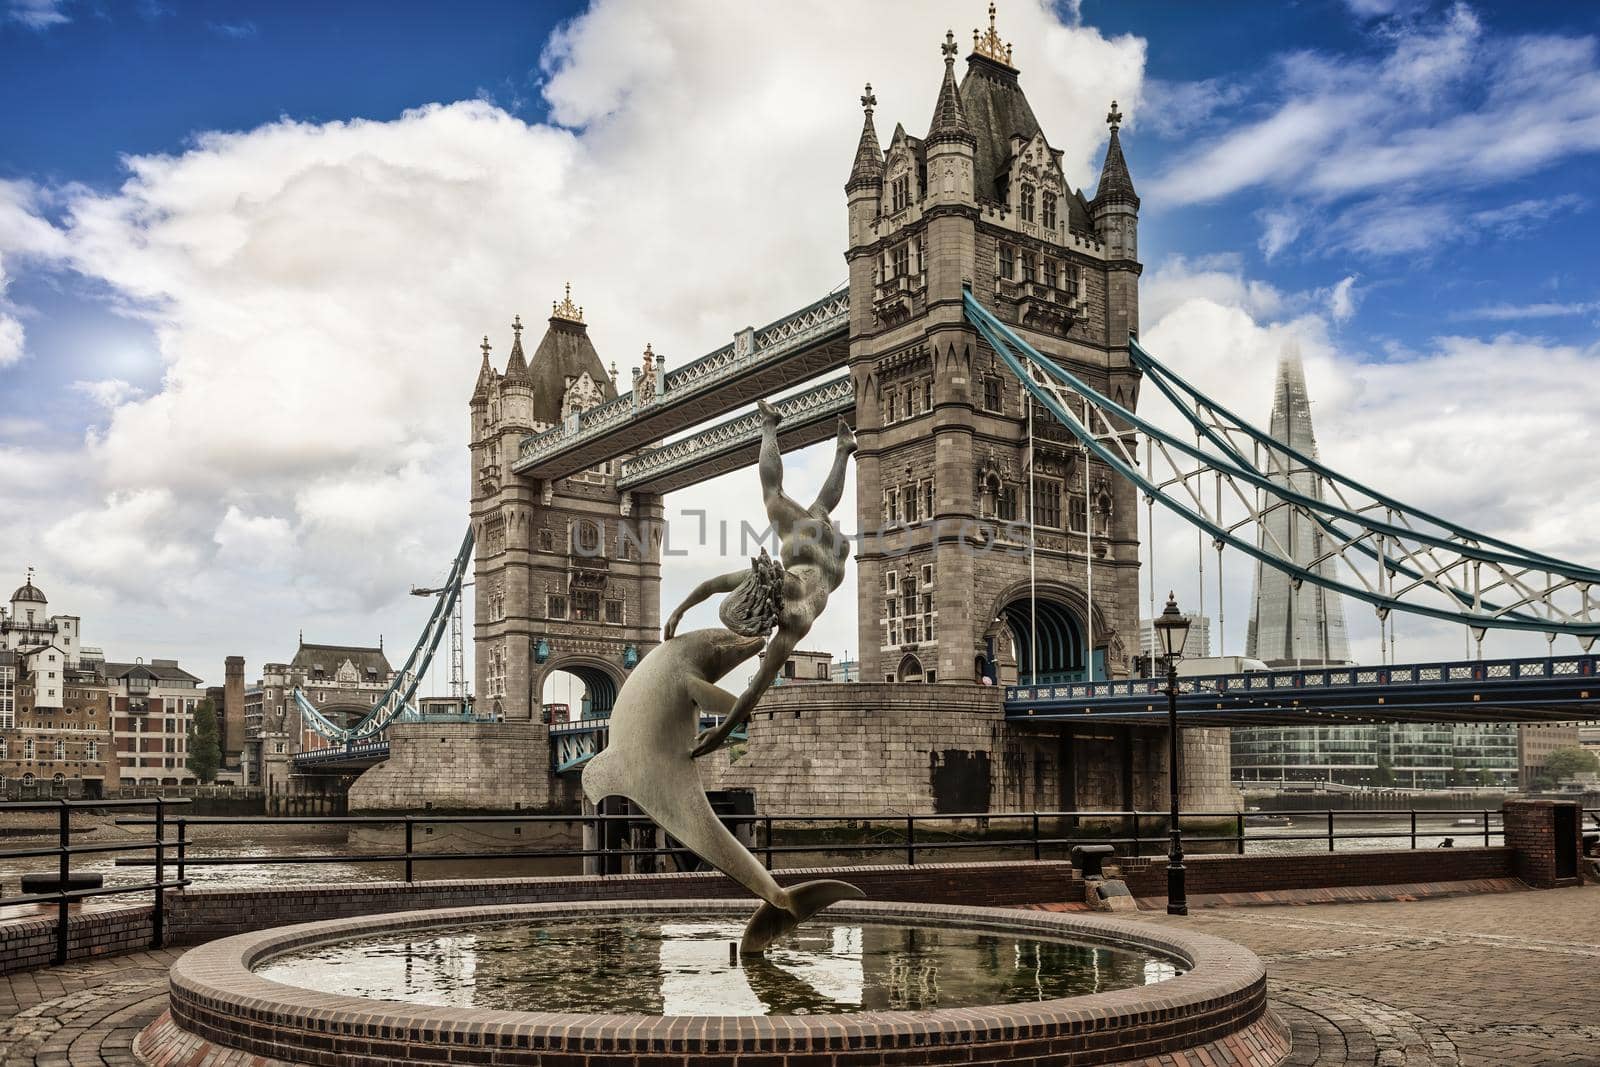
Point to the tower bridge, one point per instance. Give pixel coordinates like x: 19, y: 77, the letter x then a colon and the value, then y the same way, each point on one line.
x: 987, y: 332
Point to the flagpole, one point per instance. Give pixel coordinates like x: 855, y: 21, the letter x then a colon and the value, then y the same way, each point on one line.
x: 1088, y: 546
x: 1033, y: 597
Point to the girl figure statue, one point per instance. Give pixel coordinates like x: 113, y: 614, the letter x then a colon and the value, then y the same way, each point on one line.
x: 787, y: 595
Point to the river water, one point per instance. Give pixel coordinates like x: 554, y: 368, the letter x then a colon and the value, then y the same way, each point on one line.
x: 250, y: 852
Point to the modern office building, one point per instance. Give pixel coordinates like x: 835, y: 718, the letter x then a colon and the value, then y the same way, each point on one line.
x: 1197, y: 643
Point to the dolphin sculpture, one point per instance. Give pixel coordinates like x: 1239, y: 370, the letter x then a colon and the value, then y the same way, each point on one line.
x: 649, y: 759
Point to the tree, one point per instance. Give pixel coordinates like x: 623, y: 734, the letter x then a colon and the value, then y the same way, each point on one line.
x: 1570, y: 761
x: 1383, y: 778
x: 205, y: 754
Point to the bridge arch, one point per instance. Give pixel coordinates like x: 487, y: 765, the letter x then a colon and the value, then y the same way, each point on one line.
x: 1059, y: 624
x: 595, y: 693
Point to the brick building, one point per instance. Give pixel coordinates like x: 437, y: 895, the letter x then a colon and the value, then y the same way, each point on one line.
x: 152, y: 707
x: 53, y: 745
x: 981, y: 201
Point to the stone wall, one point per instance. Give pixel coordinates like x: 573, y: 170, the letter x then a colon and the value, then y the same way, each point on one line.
x: 866, y: 748
x: 477, y: 766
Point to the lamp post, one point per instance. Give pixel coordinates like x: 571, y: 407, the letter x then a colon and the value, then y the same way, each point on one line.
x: 1173, y: 627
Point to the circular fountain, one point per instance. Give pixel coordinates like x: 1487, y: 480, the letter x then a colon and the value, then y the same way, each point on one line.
x: 648, y: 982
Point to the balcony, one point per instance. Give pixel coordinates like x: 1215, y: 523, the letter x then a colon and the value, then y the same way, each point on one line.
x: 894, y: 298
x: 1042, y: 305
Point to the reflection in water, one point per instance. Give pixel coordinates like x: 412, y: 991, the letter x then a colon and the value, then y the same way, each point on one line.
x: 684, y: 968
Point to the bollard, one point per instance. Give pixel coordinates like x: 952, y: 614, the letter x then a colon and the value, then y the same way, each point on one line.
x: 64, y: 867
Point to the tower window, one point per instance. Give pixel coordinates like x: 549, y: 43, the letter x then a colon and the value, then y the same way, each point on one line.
x: 902, y: 260
x: 1047, y: 504
x: 991, y: 393
x: 892, y: 412
x: 1008, y: 265
x: 1007, y: 505
x: 1026, y: 202
x: 1028, y: 268
x: 586, y: 606
x: 614, y: 611
x: 900, y: 193
x: 1049, y: 211
x: 1077, y: 512
x: 556, y: 607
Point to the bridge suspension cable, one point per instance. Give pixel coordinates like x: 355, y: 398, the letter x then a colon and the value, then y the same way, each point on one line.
x: 396, y: 700
x: 1397, y: 557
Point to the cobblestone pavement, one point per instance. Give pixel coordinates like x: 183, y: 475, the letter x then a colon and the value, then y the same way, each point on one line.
x: 1504, y: 980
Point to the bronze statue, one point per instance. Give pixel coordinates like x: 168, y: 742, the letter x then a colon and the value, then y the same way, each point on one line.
x: 814, y: 555
x: 650, y: 755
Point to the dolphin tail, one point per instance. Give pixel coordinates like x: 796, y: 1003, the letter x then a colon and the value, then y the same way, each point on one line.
x: 800, y: 902
x: 599, y: 777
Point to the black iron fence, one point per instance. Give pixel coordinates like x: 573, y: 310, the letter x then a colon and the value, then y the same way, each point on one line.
x: 905, y: 836
x: 62, y: 895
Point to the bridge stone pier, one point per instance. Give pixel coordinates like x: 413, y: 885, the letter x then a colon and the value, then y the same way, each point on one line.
x: 844, y: 748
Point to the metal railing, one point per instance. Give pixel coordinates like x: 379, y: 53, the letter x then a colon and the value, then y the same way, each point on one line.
x: 64, y: 850
x: 1032, y: 833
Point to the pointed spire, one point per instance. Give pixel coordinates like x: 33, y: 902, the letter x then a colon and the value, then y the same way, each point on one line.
x: 868, y: 168
x: 485, y: 372
x: 1116, y: 184
x: 949, y: 116
x: 517, y: 365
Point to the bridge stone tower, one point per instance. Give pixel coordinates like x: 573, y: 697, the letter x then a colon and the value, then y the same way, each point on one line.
x: 567, y: 571
x: 945, y: 473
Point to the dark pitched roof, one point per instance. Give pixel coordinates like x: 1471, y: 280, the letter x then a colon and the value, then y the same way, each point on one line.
x: 163, y: 670
x: 329, y: 658
x: 995, y: 109
x: 565, y: 352
x: 1116, y: 184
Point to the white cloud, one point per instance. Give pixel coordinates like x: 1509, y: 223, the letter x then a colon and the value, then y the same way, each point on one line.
x: 1279, y: 228
x: 37, y: 14
x: 1509, y: 312
x: 317, y: 289
x: 1342, y: 299
x: 1174, y: 108
x: 1393, y: 145
x: 108, y: 392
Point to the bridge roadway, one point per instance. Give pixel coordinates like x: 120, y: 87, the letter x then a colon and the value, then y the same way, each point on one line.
x: 758, y: 363
x: 1554, y: 689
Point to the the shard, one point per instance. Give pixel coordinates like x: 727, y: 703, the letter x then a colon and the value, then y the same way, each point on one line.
x: 1292, y: 625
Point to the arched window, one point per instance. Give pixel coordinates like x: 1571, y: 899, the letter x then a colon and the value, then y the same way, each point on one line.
x: 1049, y: 211
x: 1026, y: 202
x: 910, y: 669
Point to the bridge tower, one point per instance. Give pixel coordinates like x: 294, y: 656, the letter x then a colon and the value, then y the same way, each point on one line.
x: 567, y: 571
x: 945, y: 472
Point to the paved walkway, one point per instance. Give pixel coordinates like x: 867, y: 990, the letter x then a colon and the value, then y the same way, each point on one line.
x: 1503, y: 980
x: 1482, y: 981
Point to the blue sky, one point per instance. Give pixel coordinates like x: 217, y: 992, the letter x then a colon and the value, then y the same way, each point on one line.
x: 245, y: 248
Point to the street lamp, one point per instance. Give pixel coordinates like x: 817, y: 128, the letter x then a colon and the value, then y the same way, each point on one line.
x: 1173, y: 628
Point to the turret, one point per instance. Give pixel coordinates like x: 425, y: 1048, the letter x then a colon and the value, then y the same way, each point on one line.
x: 950, y: 145
x: 864, y: 189
x: 1115, y: 211
x: 516, y: 388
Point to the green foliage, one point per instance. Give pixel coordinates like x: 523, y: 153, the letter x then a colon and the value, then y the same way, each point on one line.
x: 1383, y: 778
x: 205, y: 753
x: 1570, y: 761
